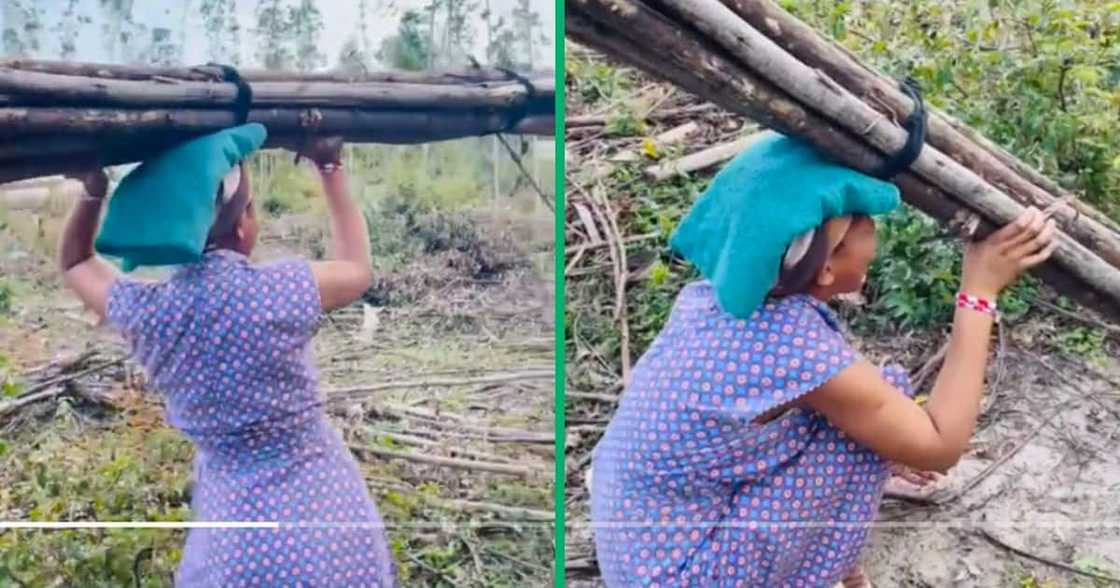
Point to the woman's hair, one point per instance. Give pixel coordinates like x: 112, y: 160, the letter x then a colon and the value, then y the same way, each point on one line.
x: 798, y: 278
x: 227, y: 213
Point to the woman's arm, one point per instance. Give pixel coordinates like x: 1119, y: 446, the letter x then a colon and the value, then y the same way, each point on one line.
x: 89, y: 276
x: 348, y: 276
x: 861, y: 403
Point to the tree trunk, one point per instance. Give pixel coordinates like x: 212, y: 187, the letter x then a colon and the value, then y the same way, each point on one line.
x: 627, y: 29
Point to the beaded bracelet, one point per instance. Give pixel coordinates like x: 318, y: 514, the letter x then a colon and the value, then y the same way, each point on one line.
x: 978, y: 304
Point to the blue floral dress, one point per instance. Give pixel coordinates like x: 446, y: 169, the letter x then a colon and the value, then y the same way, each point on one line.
x: 689, y: 490
x: 228, y: 344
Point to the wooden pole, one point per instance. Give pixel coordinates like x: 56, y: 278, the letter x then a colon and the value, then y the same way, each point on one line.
x: 382, y: 126
x: 53, y: 89
x: 627, y: 28
x: 209, y: 73
x: 814, y: 89
x: 1096, y: 230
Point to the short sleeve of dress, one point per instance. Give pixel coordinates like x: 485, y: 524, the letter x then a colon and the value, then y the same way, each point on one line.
x: 124, y: 305
x: 794, y: 351
x: 897, y: 376
x: 291, y: 298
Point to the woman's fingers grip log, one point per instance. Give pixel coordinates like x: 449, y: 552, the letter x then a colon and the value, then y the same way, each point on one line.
x: 1040, y: 257
x: 1025, y: 228
x: 1038, y: 241
x: 1010, y: 230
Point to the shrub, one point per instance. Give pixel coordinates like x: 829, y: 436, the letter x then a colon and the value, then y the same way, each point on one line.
x: 916, y: 274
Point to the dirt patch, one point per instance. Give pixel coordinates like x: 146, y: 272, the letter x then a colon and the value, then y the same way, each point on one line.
x: 1056, y: 497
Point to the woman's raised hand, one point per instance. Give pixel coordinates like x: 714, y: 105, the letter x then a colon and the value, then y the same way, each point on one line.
x: 321, y: 151
x: 996, y: 262
x: 94, y: 180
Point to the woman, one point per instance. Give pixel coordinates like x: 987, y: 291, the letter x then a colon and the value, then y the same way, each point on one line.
x: 753, y: 442
x: 227, y: 342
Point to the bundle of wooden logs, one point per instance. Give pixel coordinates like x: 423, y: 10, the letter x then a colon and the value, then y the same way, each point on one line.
x: 55, y: 115
x: 753, y: 58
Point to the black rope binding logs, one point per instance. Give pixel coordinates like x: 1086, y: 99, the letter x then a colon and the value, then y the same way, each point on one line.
x: 915, y: 126
x: 244, y: 101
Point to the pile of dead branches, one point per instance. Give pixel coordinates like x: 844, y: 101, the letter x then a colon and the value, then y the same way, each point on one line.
x: 55, y: 115
x: 753, y: 58
x: 75, y: 376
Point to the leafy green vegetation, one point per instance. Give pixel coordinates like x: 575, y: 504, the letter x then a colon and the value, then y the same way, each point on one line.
x: 595, y: 81
x: 138, y: 475
x: 9, y: 387
x: 916, y: 274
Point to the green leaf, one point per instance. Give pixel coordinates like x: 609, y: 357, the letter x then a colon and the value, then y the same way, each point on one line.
x: 1087, y: 74
x: 10, y: 388
x: 659, y: 273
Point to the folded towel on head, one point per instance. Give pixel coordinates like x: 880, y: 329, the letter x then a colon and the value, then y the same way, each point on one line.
x: 760, y: 211
x: 162, y: 212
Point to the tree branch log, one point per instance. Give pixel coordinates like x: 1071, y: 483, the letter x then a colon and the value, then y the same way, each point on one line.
x: 1094, y: 229
x: 627, y: 28
x: 205, y: 73
x: 811, y: 87
x: 114, y: 137
x: 53, y: 89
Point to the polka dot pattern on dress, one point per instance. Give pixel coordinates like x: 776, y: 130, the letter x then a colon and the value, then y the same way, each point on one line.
x: 688, y: 490
x: 228, y: 344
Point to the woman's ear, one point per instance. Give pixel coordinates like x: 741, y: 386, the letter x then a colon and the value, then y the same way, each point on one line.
x: 826, y: 277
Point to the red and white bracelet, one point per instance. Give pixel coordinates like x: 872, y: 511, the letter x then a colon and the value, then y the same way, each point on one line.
x: 978, y: 304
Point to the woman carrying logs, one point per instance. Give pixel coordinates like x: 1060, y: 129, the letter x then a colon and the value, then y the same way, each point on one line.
x: 752, y: 444
x: 227, y: 342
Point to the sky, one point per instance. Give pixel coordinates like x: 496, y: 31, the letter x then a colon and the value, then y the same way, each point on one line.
x: 340, y: 20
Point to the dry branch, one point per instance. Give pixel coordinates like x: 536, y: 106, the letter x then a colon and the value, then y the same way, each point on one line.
x: 522, y: 471
x: 1045, y: 560
x: 528, y: 514
x: 597, y: 120
x: 703, y: 159
x: 53, y: 387
x: 360, y: 392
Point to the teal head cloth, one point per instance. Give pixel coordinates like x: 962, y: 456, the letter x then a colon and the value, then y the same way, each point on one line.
x: 162, y: 210
x: 739, y: 229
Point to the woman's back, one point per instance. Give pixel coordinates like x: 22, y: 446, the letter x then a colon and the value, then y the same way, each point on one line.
x: 227, y: 343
